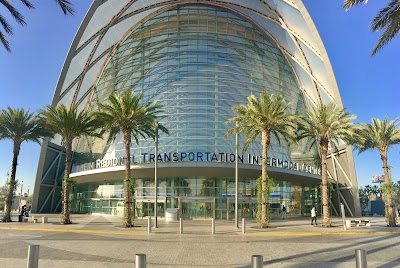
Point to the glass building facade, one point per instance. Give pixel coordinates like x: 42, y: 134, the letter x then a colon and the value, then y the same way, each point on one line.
x: 196, y: 198
x: 197, y: 62
x: 197, y: 59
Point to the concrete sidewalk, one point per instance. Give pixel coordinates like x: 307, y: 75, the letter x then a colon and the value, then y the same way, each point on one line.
x: 99, y: 241
x: 97, y: 223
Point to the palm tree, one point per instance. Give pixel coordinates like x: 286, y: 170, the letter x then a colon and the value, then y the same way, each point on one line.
x: 65, y: 6
x: 69, y: 124
x: 368, y: 190
x: 323, y: 126
x: 266, y: 117
x: 124, y: 113
x: 18, y: 125
x: 380, y: 135
x: 387, y: 19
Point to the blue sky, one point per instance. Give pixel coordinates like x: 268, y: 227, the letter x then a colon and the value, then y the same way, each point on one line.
x: 368, y: 86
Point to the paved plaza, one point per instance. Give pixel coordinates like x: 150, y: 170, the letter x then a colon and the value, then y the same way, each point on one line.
x: 99, y: 241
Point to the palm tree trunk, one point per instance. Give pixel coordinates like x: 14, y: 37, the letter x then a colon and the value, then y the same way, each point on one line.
x: 10, y: 195
x: 264, y: 181
x: 323, y: 148
x: 65, y: 219
x: 127, y: 196
x: 391, y: 212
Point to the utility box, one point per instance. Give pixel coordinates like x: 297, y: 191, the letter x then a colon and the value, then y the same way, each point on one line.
x: 171, y: 214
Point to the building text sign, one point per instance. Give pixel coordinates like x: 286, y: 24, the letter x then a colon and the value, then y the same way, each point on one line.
x: 196, y: 157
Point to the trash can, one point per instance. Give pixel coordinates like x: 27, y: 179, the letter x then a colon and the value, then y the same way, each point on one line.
x: 20, y: 218
x: 171, y: 214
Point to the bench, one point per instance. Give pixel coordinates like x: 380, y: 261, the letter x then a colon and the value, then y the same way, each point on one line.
x: 36, y: 219
x: 366, y: 222
x: 357, y: 222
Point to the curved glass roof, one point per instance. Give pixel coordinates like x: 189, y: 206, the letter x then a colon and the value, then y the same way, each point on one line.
x: 107, y: 23
x: 197, y: 61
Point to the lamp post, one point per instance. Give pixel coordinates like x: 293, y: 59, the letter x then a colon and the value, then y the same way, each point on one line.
x: 236, y: 176
x: 20, y: 196
x: 155, y: 175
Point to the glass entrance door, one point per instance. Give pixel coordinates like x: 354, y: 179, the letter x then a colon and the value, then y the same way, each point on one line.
x: 195, y: 209
x: 145, y: 208
x: 247, y: 208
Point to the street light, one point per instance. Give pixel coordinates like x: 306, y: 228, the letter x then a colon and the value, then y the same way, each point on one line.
x: 236, y: 176
x: 155, y: 175
x: 20, y: 195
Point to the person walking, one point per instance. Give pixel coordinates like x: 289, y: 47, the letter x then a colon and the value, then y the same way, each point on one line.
x: 313, y: 216
x: 283, y: 212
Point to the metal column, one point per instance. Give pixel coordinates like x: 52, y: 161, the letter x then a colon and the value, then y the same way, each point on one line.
x: 33, y: 256
x: 155, y: 176
x: 236, y: 177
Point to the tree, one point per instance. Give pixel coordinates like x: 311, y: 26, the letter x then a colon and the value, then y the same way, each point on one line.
x: 65, y: 6
x: 387, y: 19
x: 124, y: 113
x: 132, y: 190
x: 69, y: 124
x: 266, y: 117
x: 323, y: 126
x: 365, y: 194
x: 3, y: 195
x: 19, y: 126
x: 375, y: 190
x: 380, y: 135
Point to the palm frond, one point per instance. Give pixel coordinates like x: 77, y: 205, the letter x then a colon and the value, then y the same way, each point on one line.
x: 326, y: 122
x: 389, y: 18
x: 380, y: 135
x: 68, y: 123
x: 14, y: 12
x: 27, y: 4
x: 267, y: 114
x: 347, y: 4
x: 4, y: 42
x: 386, y: 16
x: 125, y: 113
x: 6, y: 26
x: 66, y: 6
x: 19, y: 126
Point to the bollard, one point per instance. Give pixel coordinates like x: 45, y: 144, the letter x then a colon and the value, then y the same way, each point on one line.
x: 361, y: 258
x: 212, y: 226
x: 181, y: 226
x: 256, y: 261
x: 343, y: 216
x: 149, y: 225
x: 33, y: 256
x: 140, y: 261
x: 243, y: 226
